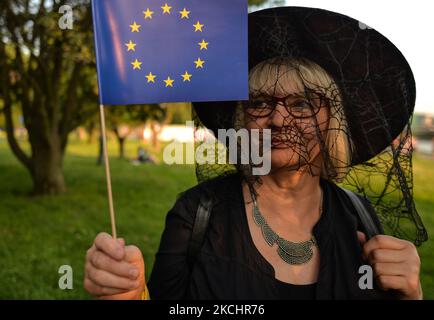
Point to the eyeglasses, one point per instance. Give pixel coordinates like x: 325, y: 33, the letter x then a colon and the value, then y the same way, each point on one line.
x: 298, y: 106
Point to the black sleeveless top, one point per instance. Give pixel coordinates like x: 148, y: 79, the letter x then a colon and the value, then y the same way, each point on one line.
x: 288, y: 291
x: 229, y: 266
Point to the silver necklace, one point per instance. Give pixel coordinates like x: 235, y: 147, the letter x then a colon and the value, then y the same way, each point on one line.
x: 294, y: 253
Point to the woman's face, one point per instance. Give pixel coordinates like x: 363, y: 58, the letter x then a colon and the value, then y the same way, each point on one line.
x: 297, y: 123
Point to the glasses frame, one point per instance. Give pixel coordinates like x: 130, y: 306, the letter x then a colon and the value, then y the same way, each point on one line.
x: 271, y: 103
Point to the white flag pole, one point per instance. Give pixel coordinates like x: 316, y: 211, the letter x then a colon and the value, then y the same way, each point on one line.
x: 107, y: 171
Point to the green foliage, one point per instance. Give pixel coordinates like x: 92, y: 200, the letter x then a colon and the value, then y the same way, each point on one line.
x: 133, y: 114
x: 44, y: 63
x: 181, y: 113
x: 256, y: 2
x: 48, y: 76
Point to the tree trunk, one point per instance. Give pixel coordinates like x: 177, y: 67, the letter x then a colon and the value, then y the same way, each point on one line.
x: 100, y: 159
x: 155, y: 131
x: 47, y: 173
x: 90, y: 132
x: 121, y: 141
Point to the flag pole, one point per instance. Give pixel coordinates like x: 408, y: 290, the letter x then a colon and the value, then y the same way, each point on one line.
x: 107, y: 171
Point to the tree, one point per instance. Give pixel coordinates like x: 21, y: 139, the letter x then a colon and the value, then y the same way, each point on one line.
x: 123, y: 118
x: 49, y: 74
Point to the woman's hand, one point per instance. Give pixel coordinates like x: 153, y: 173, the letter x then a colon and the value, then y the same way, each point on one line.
x: 113, y: 270
x: 396, y: 264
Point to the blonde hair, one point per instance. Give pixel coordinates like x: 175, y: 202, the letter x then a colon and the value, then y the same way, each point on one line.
x: 282, y: 76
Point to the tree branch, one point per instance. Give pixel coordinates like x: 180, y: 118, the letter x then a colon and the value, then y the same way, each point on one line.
x: 70, y: 103
x: 13, y: 143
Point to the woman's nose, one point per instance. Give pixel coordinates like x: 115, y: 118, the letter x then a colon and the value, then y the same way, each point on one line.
x: 279, y: 116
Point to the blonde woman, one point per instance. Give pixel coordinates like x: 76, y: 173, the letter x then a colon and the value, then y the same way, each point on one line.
x: 290, y: 234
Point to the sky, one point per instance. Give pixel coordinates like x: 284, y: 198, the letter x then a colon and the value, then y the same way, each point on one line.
x: 408, y: 24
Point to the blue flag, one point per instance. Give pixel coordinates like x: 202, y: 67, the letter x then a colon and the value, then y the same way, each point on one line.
x: 152, y: 51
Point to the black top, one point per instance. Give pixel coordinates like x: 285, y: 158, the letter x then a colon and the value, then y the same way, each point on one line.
x: 290, y: 291
x: 229, y: 266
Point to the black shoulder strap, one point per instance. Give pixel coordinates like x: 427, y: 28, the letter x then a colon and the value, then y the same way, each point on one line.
x: 366, y: 219
x: 200, y: 225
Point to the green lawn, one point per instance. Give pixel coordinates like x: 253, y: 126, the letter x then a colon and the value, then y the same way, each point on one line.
x: 37, y: 235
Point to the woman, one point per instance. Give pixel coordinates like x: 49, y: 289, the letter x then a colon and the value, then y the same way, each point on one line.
x: 291, y: 234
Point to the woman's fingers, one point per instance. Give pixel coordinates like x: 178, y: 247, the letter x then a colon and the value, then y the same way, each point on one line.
x: 102, y: 261
x: 391, y: 282
x: 384, y: 242
x: 121, y: 241
x: 105, y: 242
x: 390, y: 269
x: 114, y: 270
x: 133, y: 254
x: 106, y: 279
x: 386, y: 255
x: 396, y: 264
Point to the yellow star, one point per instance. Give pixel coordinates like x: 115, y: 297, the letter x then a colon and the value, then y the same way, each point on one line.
x: 186, y: 76
x: 151, y: 77
x: 203, y: 45
x: 135, y: 27
x: 198, y: 27
x: 148, y: 13
x: 136, y: 64
x: 199, y: 63
x: 184, y: 13
x: 131, y: 46
x: 166, y: 8
x: 169, y: 82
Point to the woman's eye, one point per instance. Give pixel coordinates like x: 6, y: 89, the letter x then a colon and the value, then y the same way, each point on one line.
x: 304, y: 109
x: 259, y: 108
x: 258, y: 104
x: 301, y: 106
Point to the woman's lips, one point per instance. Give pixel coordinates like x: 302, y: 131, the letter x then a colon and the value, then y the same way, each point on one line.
x: 285, y: 141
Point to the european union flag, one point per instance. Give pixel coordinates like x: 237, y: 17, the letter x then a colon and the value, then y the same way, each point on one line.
x: 152, y: 51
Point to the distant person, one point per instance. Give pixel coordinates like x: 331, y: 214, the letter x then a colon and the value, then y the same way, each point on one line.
x: 143, y: 157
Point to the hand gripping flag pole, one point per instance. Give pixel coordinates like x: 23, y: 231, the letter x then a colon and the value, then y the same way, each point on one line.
x: 107, y: 171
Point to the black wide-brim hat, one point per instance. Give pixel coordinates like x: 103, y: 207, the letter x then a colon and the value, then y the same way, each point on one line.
x: 375, y: 81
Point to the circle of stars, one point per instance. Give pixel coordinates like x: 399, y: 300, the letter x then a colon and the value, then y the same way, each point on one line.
x: 184, y: 14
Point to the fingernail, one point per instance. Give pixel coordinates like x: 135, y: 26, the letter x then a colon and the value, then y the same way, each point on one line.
x: 134, y: 273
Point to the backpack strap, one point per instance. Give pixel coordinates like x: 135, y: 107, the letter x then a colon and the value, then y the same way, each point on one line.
x: 371, y: 229
x: 200, y: 226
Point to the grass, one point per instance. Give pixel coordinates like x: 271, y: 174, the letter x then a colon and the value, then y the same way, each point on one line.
x: 38, y: 235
